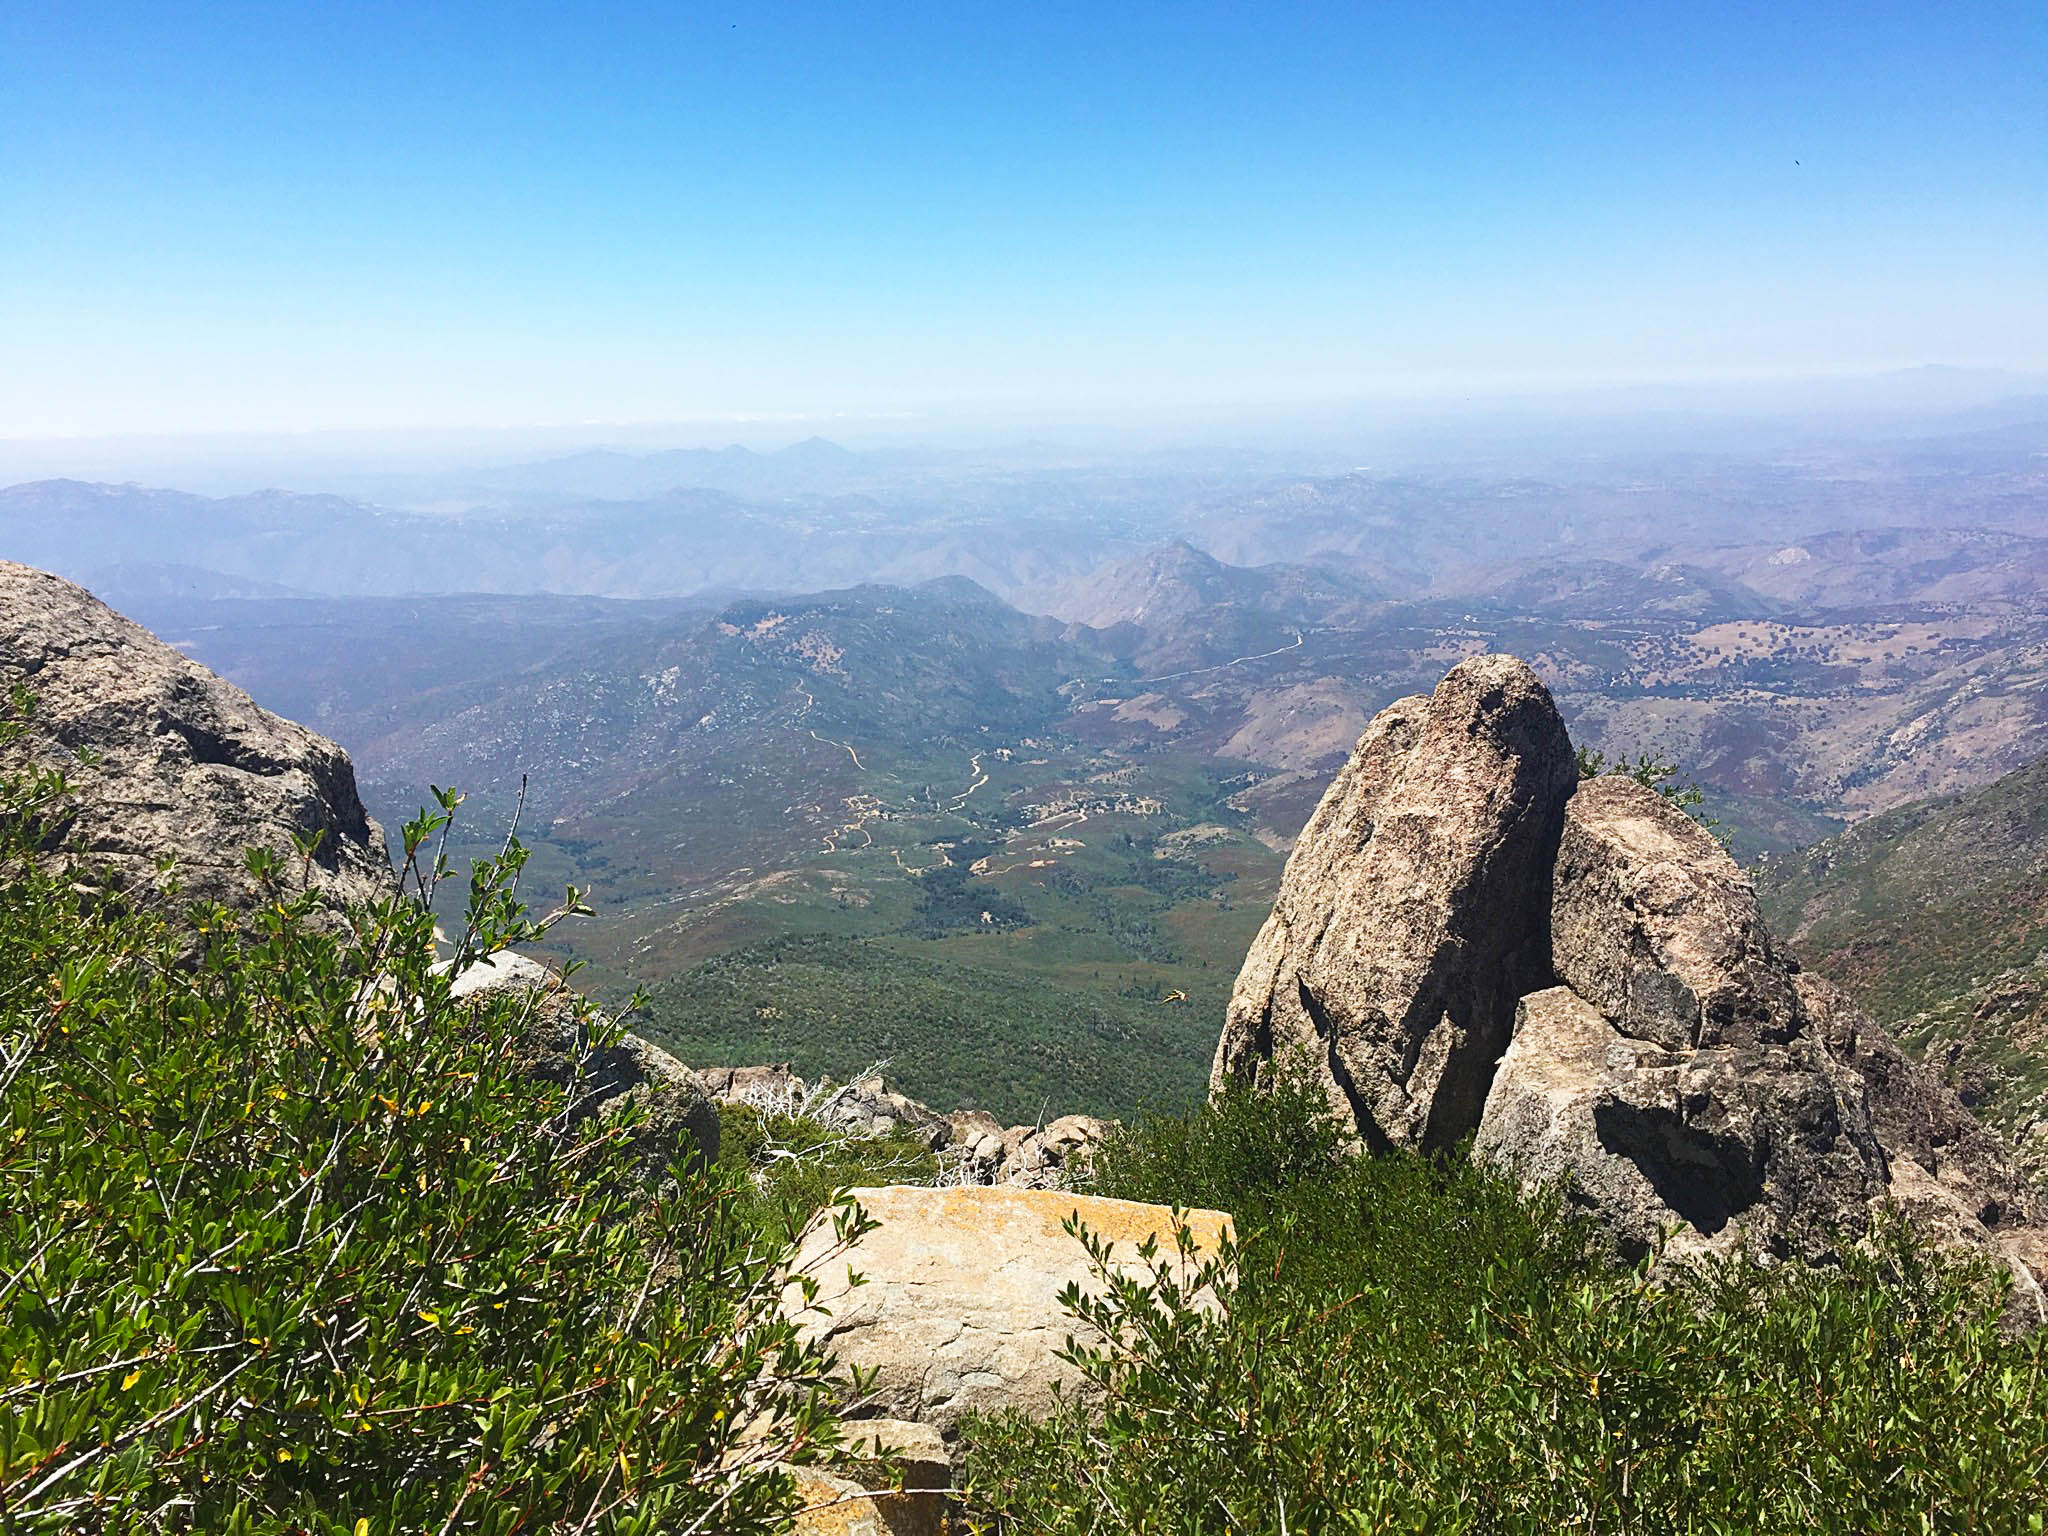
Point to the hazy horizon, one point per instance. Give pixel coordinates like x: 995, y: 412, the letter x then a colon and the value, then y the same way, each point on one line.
x: 1743, y: 416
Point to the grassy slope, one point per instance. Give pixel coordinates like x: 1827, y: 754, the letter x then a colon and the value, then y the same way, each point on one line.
x: 953, y: 1034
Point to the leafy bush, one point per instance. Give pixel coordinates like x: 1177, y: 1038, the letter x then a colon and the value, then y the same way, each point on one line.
x: 1245, y: 1151
x: 291, y: 1244
x: 1405, y: 1344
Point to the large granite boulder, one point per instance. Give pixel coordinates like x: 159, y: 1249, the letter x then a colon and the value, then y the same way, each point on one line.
x: 680, y: 1120
x: 1469, y: 939
x: 1654, y: 924
x: 959, y: 1310
x: 1696, y: 1093
x: 1672, y: 1076
x: 1686, y: 1150
x: 166, y: 759
x: 1415, y: 909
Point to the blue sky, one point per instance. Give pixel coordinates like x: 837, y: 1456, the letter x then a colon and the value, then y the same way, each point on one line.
x: 258, y: 217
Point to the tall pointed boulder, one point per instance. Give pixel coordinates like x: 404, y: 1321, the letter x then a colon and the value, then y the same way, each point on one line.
x: 1414, y: 912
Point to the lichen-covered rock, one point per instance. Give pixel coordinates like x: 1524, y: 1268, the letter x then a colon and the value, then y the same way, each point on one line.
x: 680, y: 1118
x: 916, y: 1452
x: 1414, y: 911
x: 1686, y: 1149
x: 1652, y: 923
x: 960, y: 1307
x: 1673, y: 1076
x: 176, y: 762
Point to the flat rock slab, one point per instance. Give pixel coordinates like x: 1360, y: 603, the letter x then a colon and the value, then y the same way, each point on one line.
x: 838, y: 1506
x: 960, y: 1311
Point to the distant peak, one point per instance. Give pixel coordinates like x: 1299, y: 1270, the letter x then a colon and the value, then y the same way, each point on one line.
x: 819, y: 450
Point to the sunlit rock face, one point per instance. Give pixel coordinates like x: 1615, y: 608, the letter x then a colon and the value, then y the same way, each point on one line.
x: 1471, y: 941
x: 169, y: 763
x: 1415, y: 909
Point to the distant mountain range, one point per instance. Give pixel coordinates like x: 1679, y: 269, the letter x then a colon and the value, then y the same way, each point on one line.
x: 1695, y: 533
x: 680, y: 543
x: 878, y: 696
x: 813, y: 466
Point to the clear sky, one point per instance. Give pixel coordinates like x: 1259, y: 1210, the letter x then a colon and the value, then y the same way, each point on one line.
x: 289, y: 216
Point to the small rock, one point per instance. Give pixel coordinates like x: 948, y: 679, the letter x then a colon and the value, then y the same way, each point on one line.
x: 680, y: 1117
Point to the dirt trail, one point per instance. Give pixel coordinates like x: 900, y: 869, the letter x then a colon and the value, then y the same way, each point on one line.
x: 809, y: 700
x: 976, y: 780
x: 1224, y: 666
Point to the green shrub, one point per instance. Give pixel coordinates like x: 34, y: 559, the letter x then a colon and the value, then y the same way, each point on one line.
x: 788, y: 1167
x: 1657, y: 773
x: 1241, y: 1152
x: 290, y: 1244
x: 1405, y: 1344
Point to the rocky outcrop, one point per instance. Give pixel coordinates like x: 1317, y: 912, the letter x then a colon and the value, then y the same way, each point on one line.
x: 1414, y: 911
x: 959, y: 1307
x: 166, y: 759
x: 1652, y: 923
x: 1661, y: 1059
x: 1948, y: 1171
x: 1703, y: 1149
x: 1693, y: 1089
x: 679, y: 1117
x: 1673, y: 1075
x: 973, y: 1146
